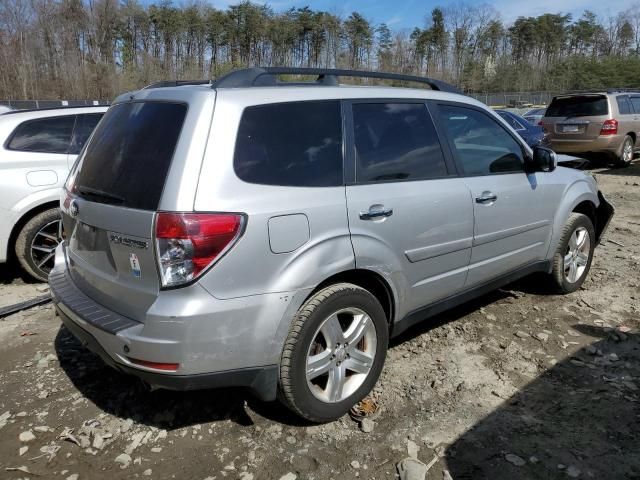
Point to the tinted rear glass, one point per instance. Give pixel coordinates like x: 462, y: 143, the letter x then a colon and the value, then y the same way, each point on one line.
x: 579, y: 106
x: 84, y: 126
x: 127, y: 161
x: 292, y: 144
x: 635, y: 101
x: 47, y: 135
x: 396, y: 141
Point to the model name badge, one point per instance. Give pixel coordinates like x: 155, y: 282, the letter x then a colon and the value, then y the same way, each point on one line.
x: 129, y: 242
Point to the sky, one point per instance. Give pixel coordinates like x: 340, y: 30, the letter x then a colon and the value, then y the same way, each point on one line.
x: 408, y: 14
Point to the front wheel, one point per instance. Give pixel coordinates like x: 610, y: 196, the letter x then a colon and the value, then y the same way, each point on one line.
x: 334, y: 352
x: 572, y: 260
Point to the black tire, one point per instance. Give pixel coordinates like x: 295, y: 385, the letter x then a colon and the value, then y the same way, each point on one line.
x: 294, y: 390
x: 24, y: 242
x: 574, y: 222
x: 625, y: 159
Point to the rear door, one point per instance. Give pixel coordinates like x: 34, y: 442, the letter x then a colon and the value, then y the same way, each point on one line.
x: 511, y: 209
x: 114, y: 192
x: 410, y: 217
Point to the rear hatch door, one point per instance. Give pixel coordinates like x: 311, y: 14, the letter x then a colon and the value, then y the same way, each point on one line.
x: 112, y: 195
x: 577, y: 117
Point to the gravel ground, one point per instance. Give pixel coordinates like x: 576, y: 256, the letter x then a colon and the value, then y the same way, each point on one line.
x: 519, y: 384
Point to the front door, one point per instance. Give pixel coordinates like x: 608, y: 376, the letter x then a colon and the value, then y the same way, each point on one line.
x: 513, y: 216
x: 410, y: 217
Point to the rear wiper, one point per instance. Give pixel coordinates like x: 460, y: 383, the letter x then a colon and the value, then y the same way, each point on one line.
x: 99, y: 195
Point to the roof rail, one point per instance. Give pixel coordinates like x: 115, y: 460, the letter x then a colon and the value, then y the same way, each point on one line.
x: 62, y: 107
x: 600, y: 91
x: 175, y: 83
x: 267, y: 76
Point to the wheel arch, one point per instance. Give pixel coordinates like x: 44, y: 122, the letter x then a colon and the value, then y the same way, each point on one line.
x: 371, y: 281
x: 579, y: 198
x: 26, y: 216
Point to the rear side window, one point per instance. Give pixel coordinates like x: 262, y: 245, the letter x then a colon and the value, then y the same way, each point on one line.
x: 127, y: 161
x: 579, y: 106
x: 624, y: 105
x: 635, y: 101
x: 480, y: 143
x: 84, y: 126
x: 46, y: 135
x: 396, y: 141
x: 295, y: 144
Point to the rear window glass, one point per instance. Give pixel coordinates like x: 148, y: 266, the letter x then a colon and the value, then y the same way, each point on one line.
x: 291, y: 144
x: 396, y: 141
x: 84, y: 126
x: 47, y: 135
x: 127, y: 161
x: 579, y: 106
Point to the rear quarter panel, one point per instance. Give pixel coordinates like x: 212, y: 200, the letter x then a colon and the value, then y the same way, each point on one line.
x: 251, y: 267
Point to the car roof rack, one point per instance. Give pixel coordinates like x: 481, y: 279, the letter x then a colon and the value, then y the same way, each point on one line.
x: 175, y: 83
x: 61, y: 107
x: 600, y: 91
x: 268, y: 76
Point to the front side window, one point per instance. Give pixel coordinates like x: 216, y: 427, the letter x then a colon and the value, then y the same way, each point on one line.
x: 396, y: 141
x: 480, y: 143
x: 44, y: 135
x: 296, y: 144
x: 85, y: 124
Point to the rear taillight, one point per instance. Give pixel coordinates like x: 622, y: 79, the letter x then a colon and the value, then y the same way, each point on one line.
x: 187, y: 243
x: 609, y: 127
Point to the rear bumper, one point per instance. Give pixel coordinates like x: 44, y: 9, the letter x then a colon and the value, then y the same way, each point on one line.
x: 217, y: 343
x: 262, y: 381
x: 605, y: 143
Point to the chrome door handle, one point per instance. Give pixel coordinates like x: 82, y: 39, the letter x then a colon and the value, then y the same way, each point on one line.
x: 486, y: 197
x: 373, y: 214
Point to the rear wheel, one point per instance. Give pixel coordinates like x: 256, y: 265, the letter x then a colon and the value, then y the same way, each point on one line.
x: 572, y: 260
x: 626, y: 155
x: 334, y: 352
x: 37, y: 241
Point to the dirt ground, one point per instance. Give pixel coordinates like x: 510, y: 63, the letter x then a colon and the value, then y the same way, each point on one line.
x: 519, y: 384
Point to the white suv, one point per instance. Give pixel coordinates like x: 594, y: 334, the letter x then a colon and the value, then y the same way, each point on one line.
x: 37, y: 149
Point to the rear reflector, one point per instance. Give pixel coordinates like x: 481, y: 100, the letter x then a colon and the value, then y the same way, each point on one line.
x: 187, y: 243
x: 167, y: 367
x: 609, y: 127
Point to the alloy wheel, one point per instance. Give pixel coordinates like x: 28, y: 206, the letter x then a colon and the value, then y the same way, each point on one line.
x: 576, y: 257
x: 43, y: 246
x: 341, y: 355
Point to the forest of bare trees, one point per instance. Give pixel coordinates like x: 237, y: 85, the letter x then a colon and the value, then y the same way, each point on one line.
x: 99, y: 48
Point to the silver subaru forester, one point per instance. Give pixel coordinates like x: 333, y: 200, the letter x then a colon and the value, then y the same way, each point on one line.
x: 274, y: 235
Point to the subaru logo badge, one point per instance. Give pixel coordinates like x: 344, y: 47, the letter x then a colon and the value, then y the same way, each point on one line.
x: 73, y: 208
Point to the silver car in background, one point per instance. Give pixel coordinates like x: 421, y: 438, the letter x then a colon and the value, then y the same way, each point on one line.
x: 37, y: 149
x: 274, y: 236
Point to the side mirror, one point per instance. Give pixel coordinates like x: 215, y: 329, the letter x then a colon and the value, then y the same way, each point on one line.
x: 544, y: 160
